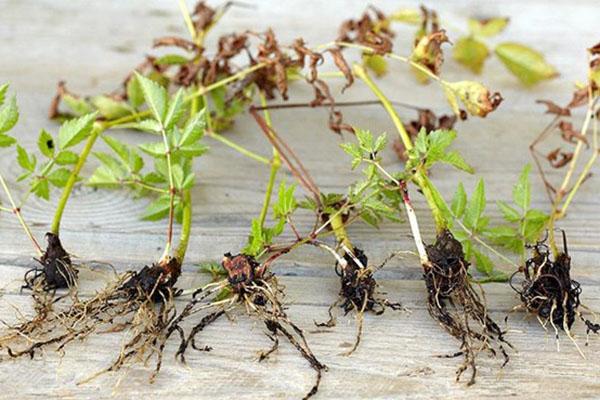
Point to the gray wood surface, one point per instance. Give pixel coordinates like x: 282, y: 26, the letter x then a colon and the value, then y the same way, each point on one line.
x: 93, y: 44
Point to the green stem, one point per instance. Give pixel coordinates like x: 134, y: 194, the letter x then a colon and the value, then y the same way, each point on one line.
x: 420, y: 176
x: 17, y: 211
x: 339, y: 230
x: 185, y: 12
x: 238, y: 148
x: 66, y: 193
x: 275, y: 165
x: 186, y: 226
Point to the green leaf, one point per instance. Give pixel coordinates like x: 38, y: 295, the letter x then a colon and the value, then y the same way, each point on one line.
x: 488, y: 27
x: 175, y: 111
x: 255, y: 239
x: 6, y: 141
x: 483, y: 262
x: 110, y: 108
x: 103, y: 176
x: 171, y: 59
x: 66, y: 157
x: 27, y: 162
x: 76, y: 104
x: 510, y: 214
x: 194, y: 129
x: 459, y: 201
x: 46, y: 144
x: 365, y: 140
x: 522, y: 190
x: 192, y: 150
x: 455, y: 159
x: 134, y: 93
x: 155, y: 96
x: 376, y: 63
x: 158, y: 209
x: 354, y: 151
x: 75, y: 130
x: 471, y: 53
x: 59, y: 177
x: 3, y: 90
x: 9, y: 115
x: 155, y: 149
x: 525, y: 63
x: 286, y: 202
x: 475, y: 206
x: 41, y: 189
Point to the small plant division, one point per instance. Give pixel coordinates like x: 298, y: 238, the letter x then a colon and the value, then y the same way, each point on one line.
x: 546, y: 288
x: 141, y: 302
x: 359, y: 291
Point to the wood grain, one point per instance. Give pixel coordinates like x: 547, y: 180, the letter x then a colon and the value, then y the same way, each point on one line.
x: 93, y: 44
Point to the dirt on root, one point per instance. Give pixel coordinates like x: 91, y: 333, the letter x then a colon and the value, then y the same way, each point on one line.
x: 55, y: 270
x: 549, y: 292
x: 458, y: 306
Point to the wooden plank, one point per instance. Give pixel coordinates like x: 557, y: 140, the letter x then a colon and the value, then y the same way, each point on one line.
x: 93, y: 46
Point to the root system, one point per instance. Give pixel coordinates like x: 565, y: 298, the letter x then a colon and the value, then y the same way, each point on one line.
x: 548, y: 291
x: 249, y: 284
x: 458, y: 306
x: 55, y: 270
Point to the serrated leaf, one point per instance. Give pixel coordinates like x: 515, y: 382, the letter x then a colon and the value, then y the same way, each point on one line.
x: 103, y: 176
x: 528, y: 65
x: 488, y: 27
x: 475, y: 206
x: 9, y: 115
x: 483, y: 262
x: 376, y: 63
x: 192, y: 150
x: 194, y: 129
x: 471, y: 53
x: 46, y: 144
x: 66, y: 157
x: 110, y: 108
x: 75, y: 130
x: 41, y: 189
x: 59, y: 177
x: 509, y: 213
x: 3, y: 90
x: 78, y: 105
x: 155, y: 96
x: 6, y: 141
x: 134, y: 93
x: 286, y: 202
x: 154, y: 149
x: 158, y: 209
x: 522, y: 190
x: 459, y: 201
x: 26, y: 161
x: 455, y: 159
x: 175, y: 110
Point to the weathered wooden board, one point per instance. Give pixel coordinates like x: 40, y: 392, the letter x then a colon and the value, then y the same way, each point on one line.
x: 93, y: 44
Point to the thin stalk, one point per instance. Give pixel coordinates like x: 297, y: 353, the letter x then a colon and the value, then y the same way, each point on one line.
x: 17, y: 211
x: 275, y: 165
x: 66, y: 193
x: 185, y: 12
x: 414, y: 226
x: 186, y: 226
x: 238, y: 148
x: 419, y: 177
x: 171, y: 192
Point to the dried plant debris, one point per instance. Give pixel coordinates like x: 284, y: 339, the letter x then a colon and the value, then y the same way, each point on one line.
x: 458, y: 306
x: 548, y: 291
x: 253, y: 286
x: 139, y: 303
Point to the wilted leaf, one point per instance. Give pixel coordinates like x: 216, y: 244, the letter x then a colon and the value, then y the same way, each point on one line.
x: 428, y: 53
x: 525, y: 63
x: 476, y: 98
x: 553, y: 108
x: 471, y: 53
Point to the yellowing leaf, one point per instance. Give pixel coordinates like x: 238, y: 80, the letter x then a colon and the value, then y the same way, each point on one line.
x: 487, y: 27
x: 525, y: 63
x: 471, y: 53
x: 475, y: 97
x: 375, y: 63
x: 428, y: 53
